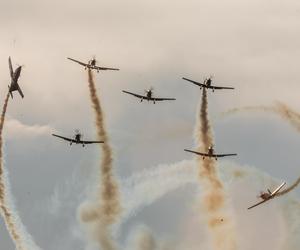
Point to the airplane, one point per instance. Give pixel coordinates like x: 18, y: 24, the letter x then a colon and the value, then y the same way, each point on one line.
x: 265, y: 196
x: 149, y: 96
x: 91, y: 65
x: 206, y: 84
x: 210, y: 153
x: 77, y: 139
x: 14, y: 75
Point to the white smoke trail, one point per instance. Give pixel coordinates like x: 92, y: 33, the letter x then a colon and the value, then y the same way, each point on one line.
x: 18, y: 233
x: 140, y: 189
x: 141, y: 184
x: 142, y: 239
x: 286, y: 113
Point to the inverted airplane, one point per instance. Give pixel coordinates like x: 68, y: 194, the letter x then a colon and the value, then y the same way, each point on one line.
x: 265, y: 196
x: 206, y: 84
x: 210, y: 153
x: 91, y: 65
x: 77, y: 139
x: 14, y: 75
x: 149, y: 96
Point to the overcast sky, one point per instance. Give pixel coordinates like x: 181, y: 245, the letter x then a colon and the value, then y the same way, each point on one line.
x: 251, y: 45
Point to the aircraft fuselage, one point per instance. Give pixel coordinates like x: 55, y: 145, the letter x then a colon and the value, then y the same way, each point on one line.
x: 207, y: 82
x: 265, y: 196
x: 149, y: 94
x: 78, y: 138
x: 14, y: 80
x: 210, y: 151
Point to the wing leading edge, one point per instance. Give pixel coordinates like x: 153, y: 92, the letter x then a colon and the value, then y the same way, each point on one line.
x: 205, y: 86
x: 147, y: 98
x: 209, y: 155
x: 81, y: 63
x: 91, y: 142
x: 64, y: 138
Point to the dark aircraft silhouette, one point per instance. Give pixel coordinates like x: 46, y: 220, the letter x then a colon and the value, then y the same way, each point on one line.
x: 14, y: 75
x: 77, y: 139
x: 148, y: 96
x: 92, y: 65
x: 210, y: 153
x: 265, y: 196
x: 206, y: 84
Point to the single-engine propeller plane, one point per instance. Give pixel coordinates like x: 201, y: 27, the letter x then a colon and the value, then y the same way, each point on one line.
x: 77, y: 139
x: 265, y: 196
x: 210, y: 153
x: 14, y: 75
x: 207, y: 83
x: 149, y: 96
x: 91, y: 65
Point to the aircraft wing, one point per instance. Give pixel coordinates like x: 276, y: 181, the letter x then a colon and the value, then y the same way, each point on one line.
x: 194, y: 82
x: 257, y: 204
x: 223, y: 155
x: 217, y: 87
x: 161, y: 99
x: 91, y: 142
x: 81, y: 63
x: 277, y: 189
x: 10, y: 67
x: 104, y: 68
x: 195, y: 152
x: 136, y: 95
x: 20, y: 92
x: 64, y: 138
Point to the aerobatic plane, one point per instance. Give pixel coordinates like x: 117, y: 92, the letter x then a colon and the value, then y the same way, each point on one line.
x: 210, y: 153
x: 265, y: 196
x: 207, y: 83
x: 91, y: 65
x: 14, y: 75
x: 149, y: 96
x: 77, y: 139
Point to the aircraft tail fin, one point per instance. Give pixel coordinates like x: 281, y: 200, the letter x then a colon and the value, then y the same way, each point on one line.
x: 269, y: 191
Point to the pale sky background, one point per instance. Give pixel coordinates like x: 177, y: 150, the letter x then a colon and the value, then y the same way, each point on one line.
x: 251, y: 45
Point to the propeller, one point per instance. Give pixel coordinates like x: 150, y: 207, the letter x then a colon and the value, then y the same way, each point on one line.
x: 23, y: 65
x: 94, y: 58
x: 77, y: 131
x: 148, y: 90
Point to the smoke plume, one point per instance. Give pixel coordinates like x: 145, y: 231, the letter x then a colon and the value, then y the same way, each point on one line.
x: 142, y: 239
x: 16, y: 230
x: 281, y: 109
x: 105, y: 211
x: 214, y: 196
x: 287, y: 114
